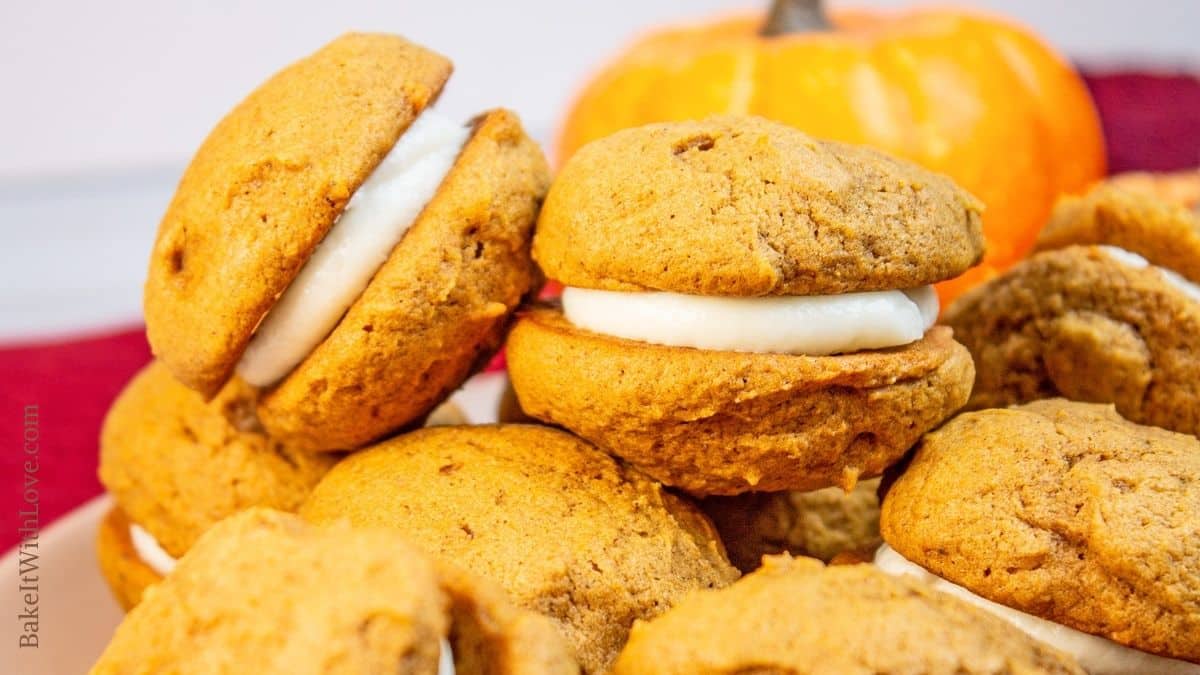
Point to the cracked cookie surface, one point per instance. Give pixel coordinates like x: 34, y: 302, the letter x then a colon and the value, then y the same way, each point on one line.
x: 1064, y: 511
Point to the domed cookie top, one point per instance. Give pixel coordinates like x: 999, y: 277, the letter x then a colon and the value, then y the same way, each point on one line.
x: 797, y: 616
x: 265, y: 592
x: 561, y: 526
x: 1135, y: 213
x: 1065, y: 511
x: 266, y: 186
x: 744, y: 206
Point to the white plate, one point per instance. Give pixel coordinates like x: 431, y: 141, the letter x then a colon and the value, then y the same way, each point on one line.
x: 77, y: 613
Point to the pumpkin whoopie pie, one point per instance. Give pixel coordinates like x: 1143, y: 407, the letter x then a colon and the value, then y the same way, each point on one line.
x: 561, y: 526
x: 1107, y: 310
x: 265, y: 592
x: 820, y: 524
x: 746, y: 307
x: 798, y: 616
x: 1073, y: 523
x: 343, y: 247
x: 176, y: 464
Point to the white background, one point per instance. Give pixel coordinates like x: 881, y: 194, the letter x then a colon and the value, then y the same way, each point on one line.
x: 103, y: 102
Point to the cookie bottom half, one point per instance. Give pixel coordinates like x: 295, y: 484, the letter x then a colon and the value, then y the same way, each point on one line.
x: 723, y: 423
x: 128, y: 576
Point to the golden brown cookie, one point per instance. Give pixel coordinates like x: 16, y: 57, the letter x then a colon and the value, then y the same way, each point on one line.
x: 562, y: 527
x: 798, y: 616
x: 435, y: 312
x: 268, y: 183
x: 820, y: 524
x: 1064, y: 511
x: 736, y: 205
x: 122, y: 567
x: 1129, y: 213
x: 722, y: 422
x: 271, y: 181
x: 1078, y: 323
x: 1177, y: 187
x: 176, y: 464
x: 265, y: 592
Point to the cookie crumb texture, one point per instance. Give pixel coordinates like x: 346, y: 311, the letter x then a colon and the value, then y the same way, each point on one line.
x: 797, y: 616
x: 1065, y: 511
x: 176, y: 464
x: 436, y: 310
x: 265, y: 592
x: 723, y: 423
x: 744, y: 206
x: 268, y: 183
x: 562, y: 527
x: 819, y: 524
x: 1076, y: 323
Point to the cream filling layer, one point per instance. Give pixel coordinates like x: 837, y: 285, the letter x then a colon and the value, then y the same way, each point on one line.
x: 1131, y: 259
x: 149, y: 550
x: 815, y: 325
x: 1097, y: 655
x: 446, y: 659
x: 376, y: 218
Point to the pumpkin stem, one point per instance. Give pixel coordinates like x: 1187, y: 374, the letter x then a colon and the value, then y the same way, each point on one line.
x: 795, y: 16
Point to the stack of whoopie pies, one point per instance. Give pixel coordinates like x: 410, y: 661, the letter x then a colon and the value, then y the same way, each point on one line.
x: 747, y: 330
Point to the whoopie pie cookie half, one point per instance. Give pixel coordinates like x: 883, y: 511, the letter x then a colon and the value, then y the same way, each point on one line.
x: 346, y: 249
x: 176, y: 464
x: 1067, y: 520
x: 746, y: 307
x: 561, y: 526
x: 798, y: 616
x: 265, y: 592
x: 1106, y: 310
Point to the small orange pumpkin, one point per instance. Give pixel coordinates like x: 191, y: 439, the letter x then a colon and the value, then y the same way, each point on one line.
x: 974, y: 97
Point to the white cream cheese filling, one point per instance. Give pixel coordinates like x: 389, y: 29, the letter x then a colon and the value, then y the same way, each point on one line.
x: 815, y: 325
x: 1131, y: 259
x: 149, y: 550
x: 446, y: 659
x: 376, y: 218
x: 1097, y: 655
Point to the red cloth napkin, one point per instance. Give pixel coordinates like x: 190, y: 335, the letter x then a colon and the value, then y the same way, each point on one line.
x: 1152, y: 122
x: 71, y: 384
